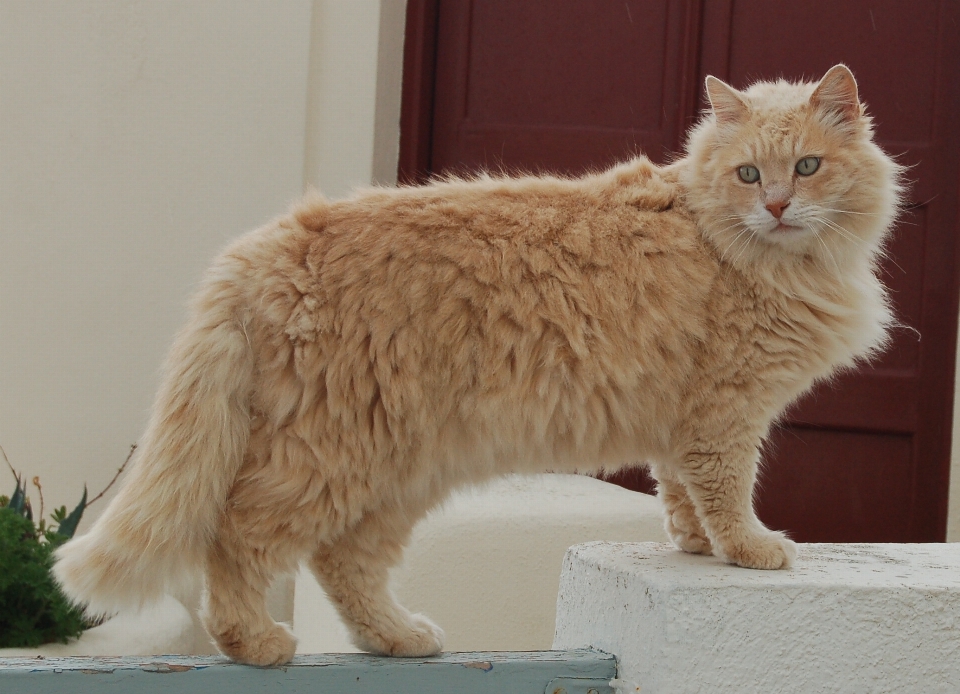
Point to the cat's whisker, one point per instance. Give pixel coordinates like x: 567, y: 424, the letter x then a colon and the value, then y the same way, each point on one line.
x: 879, y: 250
x: 746, y: 244
x: 732, y: 248
x: 733, y: 242
x: 830, y: 209
x: 728, y: 227
x: 816, y: 233
x: 900, y: 219
x: 846, y: 233
x: 723, y: 230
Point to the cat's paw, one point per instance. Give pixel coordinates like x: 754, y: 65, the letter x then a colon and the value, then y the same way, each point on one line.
x: 691, y: 542
x: 764, y: 550
x: 419, y: 638
x: 689, y: 539
x: 275, y: 646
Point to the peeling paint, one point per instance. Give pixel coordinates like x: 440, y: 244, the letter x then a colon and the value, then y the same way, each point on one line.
x: 165, y: 668
x: 485, y: 665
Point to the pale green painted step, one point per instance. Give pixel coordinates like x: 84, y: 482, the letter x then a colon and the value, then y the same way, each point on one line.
x: 540, y: 672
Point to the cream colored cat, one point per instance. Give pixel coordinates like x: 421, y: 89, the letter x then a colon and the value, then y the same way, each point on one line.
x: 348, y: 365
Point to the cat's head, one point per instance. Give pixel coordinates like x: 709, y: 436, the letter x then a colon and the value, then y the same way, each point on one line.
x: 784, y: 171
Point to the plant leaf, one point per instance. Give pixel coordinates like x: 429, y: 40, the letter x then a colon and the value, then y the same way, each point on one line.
x: 18, y: 499
x: 68, y: 526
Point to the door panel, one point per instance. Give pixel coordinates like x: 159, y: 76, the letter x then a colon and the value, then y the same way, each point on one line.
x: 853, y: 507
x: 566, y: 85
x: 903, y: 61
x: 559, y: 85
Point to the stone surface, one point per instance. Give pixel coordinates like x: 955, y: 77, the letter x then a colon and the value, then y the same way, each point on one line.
x: 486, y: 565
x: 846, y: 618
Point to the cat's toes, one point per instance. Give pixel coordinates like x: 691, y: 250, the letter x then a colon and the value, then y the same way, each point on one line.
x: 276, y: 646
x: 421, y: 638
x: 767, y: 550
x: 426, y: 639
x: 686, y: 536
x: 692, y: 543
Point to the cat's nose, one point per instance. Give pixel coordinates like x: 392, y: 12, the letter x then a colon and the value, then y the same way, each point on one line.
x: 777, y: 207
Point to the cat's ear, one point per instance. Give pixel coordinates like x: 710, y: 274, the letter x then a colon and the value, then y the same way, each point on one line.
x: 727, y: 103
x: 837, y: 94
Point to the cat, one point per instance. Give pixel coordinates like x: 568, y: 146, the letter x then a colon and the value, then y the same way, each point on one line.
x: 348, y: 365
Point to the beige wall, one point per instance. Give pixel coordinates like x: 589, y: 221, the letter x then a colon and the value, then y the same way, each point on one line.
x: 136, y: 137
x: 353, y: 101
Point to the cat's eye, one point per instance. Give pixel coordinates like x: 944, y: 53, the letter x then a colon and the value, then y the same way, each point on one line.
x: 749, y: 174
x: 808, y: 165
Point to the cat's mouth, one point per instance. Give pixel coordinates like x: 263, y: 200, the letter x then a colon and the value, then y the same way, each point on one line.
x: 782, y: 228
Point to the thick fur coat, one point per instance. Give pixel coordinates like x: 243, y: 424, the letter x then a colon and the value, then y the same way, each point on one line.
x: 347, y: 366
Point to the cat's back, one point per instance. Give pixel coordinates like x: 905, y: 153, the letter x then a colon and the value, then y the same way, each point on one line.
x: 527, y: 249
x: 571, y: 265
x: 468, y: 264
x: 500, y: 230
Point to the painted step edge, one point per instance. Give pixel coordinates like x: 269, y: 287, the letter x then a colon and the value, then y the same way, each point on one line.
x: 501, y: 672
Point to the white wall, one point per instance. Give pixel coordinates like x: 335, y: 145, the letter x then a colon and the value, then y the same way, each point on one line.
x: 136, y: 137
x: 353, y: 104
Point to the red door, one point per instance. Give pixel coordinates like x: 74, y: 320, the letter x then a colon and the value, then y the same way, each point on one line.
x: 567, y: 85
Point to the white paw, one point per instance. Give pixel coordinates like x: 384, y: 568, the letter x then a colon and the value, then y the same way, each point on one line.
x: 764, y: 550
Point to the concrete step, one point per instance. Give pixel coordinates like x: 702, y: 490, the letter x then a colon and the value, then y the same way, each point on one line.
x: 846, y: 618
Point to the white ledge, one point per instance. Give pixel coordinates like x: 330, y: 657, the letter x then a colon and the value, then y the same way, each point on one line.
x: 846, y: 618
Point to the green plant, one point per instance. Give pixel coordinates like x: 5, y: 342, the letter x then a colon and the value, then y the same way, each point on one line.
x: 33, y: 610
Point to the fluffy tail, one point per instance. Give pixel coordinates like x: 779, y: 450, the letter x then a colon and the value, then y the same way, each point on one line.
x: 152, y: 538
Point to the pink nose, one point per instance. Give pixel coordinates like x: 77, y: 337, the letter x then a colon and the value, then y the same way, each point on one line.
x: 777, y: 207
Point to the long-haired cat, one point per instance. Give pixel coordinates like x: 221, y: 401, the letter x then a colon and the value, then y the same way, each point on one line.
x: 348, y: 365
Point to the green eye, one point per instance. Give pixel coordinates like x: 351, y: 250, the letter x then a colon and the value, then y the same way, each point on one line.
x: 808, y: 165
x: 749, y: 174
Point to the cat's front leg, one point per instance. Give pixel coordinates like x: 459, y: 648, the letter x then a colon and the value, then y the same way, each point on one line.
x: 680, y: 515
x: 720, y: 485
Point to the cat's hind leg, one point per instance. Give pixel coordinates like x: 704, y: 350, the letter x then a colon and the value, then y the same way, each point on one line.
x: 258, y: 539
x: 235, y: 611
x: 680, y: 515
x: 353, y: 571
